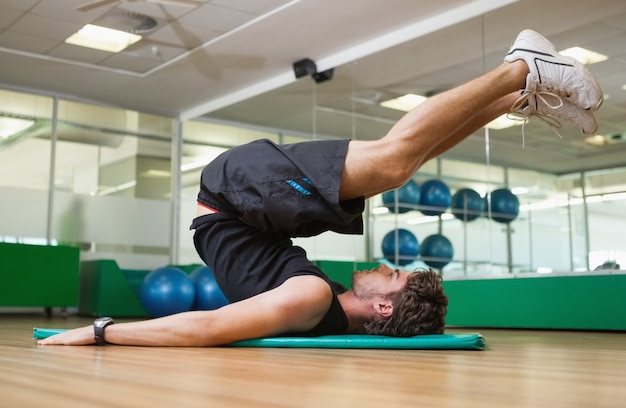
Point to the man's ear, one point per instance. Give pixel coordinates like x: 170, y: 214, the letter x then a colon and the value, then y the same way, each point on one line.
x: 383, y: 307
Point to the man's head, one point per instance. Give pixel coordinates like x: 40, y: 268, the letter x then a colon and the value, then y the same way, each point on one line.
x: 416, y: 301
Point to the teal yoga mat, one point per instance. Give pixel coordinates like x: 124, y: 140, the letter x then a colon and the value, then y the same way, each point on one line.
x: 464, y: 341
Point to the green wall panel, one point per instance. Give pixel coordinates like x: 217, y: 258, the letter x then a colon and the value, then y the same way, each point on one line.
x: 107, y: 290
x: 587, y: 302
x: 38, y: 275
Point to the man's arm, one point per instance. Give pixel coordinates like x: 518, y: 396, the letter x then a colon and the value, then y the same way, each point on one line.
x: 297, y: 305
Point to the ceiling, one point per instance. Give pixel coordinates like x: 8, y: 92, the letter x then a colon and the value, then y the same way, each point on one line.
x: 232, y: 60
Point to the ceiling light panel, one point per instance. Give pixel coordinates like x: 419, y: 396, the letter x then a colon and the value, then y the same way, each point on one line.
x: 403, y: 103
x: 583, y: 55
x: 12, y: 126
x: 102, y: 38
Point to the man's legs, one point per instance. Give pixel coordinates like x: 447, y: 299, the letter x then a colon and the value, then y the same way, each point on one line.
x: 436, y: 125
x: 554, y: 87
x: 482, y: 118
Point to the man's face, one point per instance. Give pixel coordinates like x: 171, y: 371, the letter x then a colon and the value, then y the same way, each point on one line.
x: 381, y: 281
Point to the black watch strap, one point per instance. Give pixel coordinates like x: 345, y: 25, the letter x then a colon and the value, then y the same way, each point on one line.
x: 98, y: 328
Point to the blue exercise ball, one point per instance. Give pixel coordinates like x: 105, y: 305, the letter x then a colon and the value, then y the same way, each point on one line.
x: 406, y: 243
x: 436, y: 251
x: 467, y: 204
x: 435, y: 196
x: 408, y: 194
x: 167, y: 291
x: 504, y: 206
x: 209, y: 296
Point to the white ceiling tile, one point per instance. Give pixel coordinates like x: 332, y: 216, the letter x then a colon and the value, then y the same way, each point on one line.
x: 153, y: 50
x: 63, y: 11
x: 79, y: 54
x: 258, y: 7
x: 185, y: 36
x: 216, y: 18
x: 8, y: 17
x: 26, y: 43
x: 131, y: 63
x: 19, y: 5
x: 38, y: 26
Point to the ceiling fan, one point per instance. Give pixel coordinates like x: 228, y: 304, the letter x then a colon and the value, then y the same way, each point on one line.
x: 100, y: 3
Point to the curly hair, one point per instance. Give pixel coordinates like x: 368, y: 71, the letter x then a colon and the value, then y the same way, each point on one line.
x: 420, y: 308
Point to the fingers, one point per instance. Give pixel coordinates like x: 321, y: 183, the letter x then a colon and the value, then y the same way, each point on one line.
x: 76, y: 337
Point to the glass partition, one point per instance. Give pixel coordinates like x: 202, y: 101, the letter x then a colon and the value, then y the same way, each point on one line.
x: 605, y: 205
x: 111, y: 196
x: 24, y: 166
x: 109, y: 170
x: 568, y: 223
x: 113, y: 184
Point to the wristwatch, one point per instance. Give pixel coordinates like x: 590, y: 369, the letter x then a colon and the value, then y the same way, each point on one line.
x: 98, y: 328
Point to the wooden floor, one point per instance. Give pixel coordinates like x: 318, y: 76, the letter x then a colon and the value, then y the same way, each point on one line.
x: 519, y: 369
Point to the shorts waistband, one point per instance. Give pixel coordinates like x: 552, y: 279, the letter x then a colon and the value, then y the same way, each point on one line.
x: 209, y: 200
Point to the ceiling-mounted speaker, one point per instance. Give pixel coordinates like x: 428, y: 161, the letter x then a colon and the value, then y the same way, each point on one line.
x: 324, y: 75
x: 304, y: 67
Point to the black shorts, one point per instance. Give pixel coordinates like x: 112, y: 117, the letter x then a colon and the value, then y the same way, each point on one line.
x: 265, y: 194
x: 292, y: 189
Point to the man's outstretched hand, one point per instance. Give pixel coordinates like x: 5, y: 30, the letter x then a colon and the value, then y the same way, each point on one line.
x: 75, y: 337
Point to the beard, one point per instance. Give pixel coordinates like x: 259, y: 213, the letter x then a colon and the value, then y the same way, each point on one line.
x: 361, y: 289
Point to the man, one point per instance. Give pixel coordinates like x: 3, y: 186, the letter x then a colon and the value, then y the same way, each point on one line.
x: 255, y: 198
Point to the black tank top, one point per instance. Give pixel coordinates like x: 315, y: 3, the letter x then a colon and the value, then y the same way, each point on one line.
x: 247, y: 262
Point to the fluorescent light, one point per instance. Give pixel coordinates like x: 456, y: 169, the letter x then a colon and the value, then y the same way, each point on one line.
x: 614, y: 197
x: 583, y: 55
x: 592, y: 199
x: 156, y: 173
x: 11, y: 126
x: 196, y: 164
x: 596, y: 140
x: 576, y: 201
x: 429, y: 218
x: 119, y: 187
x: 519, y: 190
x: 403, y: 103
x: 102, y: 38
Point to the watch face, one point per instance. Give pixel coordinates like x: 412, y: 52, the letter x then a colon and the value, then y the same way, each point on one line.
x: 101, y: 321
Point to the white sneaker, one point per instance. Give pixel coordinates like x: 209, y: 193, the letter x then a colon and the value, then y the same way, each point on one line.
x: 550, y: 107
x: 555, y: 73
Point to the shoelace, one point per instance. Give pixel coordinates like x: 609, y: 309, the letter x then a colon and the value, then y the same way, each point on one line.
x: 524, y: 103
